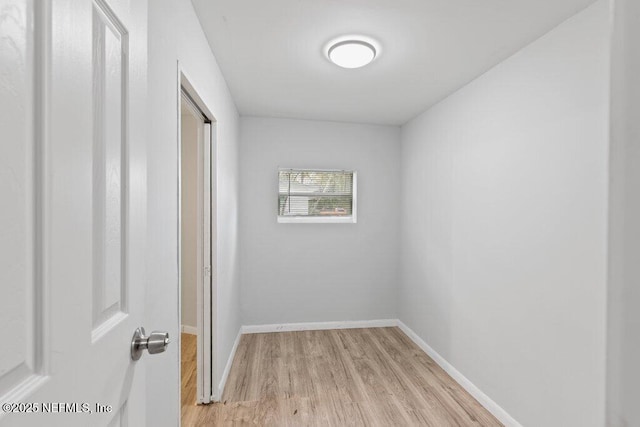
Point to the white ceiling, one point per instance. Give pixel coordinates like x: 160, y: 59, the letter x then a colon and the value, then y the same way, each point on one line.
x: 271, y: 52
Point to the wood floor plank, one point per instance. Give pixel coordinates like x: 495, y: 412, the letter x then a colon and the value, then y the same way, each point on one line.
x: 424, y: 370
x: 349, y: 377
x: 188, y: 369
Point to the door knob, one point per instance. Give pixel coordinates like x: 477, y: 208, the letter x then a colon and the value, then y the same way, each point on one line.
x: 156, y: 342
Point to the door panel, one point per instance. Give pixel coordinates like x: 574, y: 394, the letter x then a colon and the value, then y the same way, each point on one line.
x: 20, y: 288
x: 73, y: 175
x: 206, y: 392
x: 110, y: 143
x: 196, y: 224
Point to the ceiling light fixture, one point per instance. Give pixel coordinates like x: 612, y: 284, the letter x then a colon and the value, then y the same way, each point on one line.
x: 351, y: 53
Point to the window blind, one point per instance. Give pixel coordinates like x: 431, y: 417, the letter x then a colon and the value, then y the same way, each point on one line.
x: 315, y: 193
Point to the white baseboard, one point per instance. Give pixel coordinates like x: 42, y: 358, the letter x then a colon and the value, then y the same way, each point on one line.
x: 314, y: 326
x: 495, y: 409
x: 227, y: 368
x: 191, y: 330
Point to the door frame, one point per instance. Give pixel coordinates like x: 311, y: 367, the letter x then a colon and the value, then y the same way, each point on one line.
x: 206, y: 296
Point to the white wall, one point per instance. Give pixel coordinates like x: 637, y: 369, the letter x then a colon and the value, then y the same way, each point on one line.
x: 504, y: 189
x: 623, y: 332
x: 189, y: 219
x: 175, y: 34
x: 318, y: 272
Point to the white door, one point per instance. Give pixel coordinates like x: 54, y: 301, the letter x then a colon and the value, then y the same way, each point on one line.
x: 205, y: 392
x: 72, y: 221
x: 196, y: 261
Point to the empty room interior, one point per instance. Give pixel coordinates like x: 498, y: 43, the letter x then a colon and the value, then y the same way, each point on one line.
x: 320, y: 213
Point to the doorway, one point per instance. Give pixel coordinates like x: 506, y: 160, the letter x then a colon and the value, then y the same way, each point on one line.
x: 196, y: 241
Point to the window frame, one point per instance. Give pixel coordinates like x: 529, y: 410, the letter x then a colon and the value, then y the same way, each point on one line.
x: 293, y: 219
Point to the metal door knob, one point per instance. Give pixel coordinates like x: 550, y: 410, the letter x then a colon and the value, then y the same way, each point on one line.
x: 156, y: 342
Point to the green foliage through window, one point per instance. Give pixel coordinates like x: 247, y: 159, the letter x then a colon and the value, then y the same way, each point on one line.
x: 315, y: 193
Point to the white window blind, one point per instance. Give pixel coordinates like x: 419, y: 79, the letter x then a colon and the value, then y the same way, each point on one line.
x: 316, y: 195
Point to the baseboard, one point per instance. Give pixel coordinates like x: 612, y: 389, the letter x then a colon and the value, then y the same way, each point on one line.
x: 495, y: 409
x: 191, y: 330
x: 227, y: 368
x: 315, y: 326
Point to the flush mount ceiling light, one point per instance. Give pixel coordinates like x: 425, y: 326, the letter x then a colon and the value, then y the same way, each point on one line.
x: 351, y: 53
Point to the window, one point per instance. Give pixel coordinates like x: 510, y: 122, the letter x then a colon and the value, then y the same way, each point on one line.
x: 306, y: 195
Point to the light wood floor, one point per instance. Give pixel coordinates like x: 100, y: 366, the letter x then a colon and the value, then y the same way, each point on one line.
x: 348, y: 377
x: 188, y: 356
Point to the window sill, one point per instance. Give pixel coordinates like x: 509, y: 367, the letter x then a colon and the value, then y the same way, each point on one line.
x: 316, y: 220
